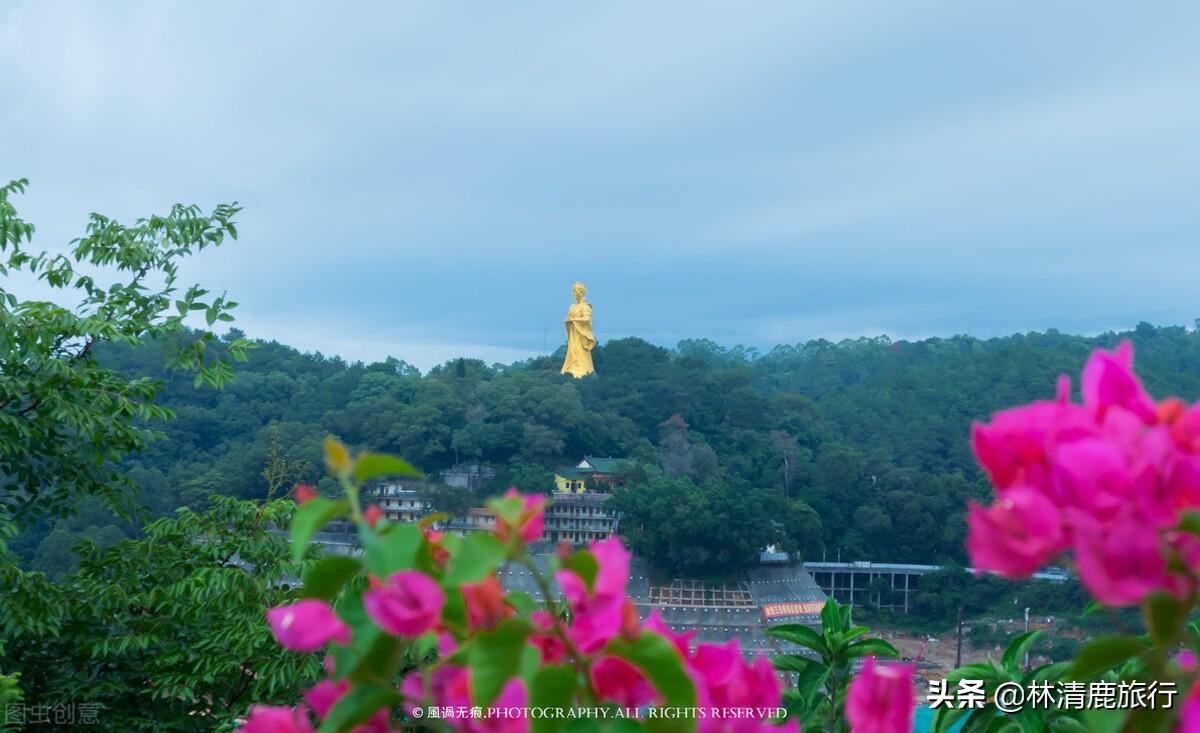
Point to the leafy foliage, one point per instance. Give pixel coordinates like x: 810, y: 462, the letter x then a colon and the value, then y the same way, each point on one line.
x: 819, y: 698
x: 1008, y: 671
x: 65, y: 418
x: 715, y: 526
x: 165, y: 632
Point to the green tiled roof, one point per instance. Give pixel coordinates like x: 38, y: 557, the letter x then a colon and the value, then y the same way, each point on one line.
x: 603, y: 465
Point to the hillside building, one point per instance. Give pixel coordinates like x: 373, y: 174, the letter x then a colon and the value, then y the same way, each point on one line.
x: 590, y: 474
x: 577, y: 510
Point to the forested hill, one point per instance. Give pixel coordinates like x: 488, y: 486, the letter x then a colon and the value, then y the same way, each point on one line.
x: 871, y: 433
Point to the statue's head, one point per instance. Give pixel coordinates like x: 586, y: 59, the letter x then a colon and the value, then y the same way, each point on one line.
x: 579, y: 290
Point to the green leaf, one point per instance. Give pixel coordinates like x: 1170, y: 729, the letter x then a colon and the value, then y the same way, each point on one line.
x: 367, y: 642
x: 831, y: 616
x: 1150, y: 720
x: 522, y: 603
x: 871, y: 647
x: 623, y: 725
x: 454, y: 613
x: 582, y: 725
x: 584, y: 564
x: 980, y: 671
x: 811, y: 679
x: 495, y: 658
x: 357, y: 706
x: 373, y: 465
x: 1099, y: 720
x: 945, y: 718
x: 1190, y: 523
x: 1164, y: 616
x: 423, y: 645
x: 855, y: 632
x: 791, y: 663
x: 479, y: 555
x: 392, y: 550
x: 507, y: 508
x: 337, y: 458
x: 659, y: 660
x: 308, y: 520
x: 325, y: 578
x: 380, y: 658
x: 1054, y: 672
x: 1105, y: 653
x: 551, y: 687
x: 1016, y: 650
x: 800, y: 634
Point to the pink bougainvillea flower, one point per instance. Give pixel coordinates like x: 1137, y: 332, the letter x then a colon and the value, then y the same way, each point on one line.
x: 267, y: 719
x: 304, y: 493
x: 1015, y: 447
x: 630, y: 625
x: 325, y: 694
x: 1189, y: 714
x: 1186, y: 660
x: 724, y: 680
x: 485, y: 603
x: 531, y: 521
x: 552, y: 648
x: 1179, y: 581
x: 1165, y: 479
x: 1016, y: 535
x: 881, y: 698
x: 372, y: 515
x: 1108, y: 381
x: 408, y: 603
x: 446, y: 683
x: 1120, y: 561
x: 1185, y: 429
x: 717, y: 663
x: 613, y: 561
x: 1170, y: 410
x: 307, y: 625
x: 1092, y: 476
x: 593, y: 625
x: 682, y: 641
x: 513, y: 696
x: 437, y: 552
x: 597, y: 616
x: 616, y: 680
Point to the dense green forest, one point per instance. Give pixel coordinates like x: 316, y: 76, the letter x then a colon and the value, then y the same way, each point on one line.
x: 859, y: 446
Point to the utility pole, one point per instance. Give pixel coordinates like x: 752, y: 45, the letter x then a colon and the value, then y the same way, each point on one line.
x: 1026, y: 631
x: 958, y: 650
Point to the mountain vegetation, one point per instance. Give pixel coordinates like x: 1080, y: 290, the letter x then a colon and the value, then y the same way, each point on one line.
x: 858, y: 449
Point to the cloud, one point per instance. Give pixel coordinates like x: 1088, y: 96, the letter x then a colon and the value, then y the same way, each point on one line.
x: 433, y: 177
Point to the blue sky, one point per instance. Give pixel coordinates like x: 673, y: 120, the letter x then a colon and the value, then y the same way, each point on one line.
x: 427, y: 180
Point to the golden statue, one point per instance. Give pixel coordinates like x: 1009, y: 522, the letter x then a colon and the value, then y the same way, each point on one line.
x: 580, y: 339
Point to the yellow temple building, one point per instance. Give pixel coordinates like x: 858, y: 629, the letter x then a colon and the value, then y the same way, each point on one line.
x: 597, y: 473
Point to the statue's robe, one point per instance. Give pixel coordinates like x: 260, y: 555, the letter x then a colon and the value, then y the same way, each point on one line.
x: 580, y: 341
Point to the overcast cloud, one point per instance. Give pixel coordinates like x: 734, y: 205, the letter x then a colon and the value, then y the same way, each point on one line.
x: 426, y: 181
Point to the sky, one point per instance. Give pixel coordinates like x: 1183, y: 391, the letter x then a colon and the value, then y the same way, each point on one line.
x: 426, y: 181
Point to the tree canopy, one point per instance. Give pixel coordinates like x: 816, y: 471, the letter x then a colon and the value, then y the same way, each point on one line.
x: 873, y: 435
